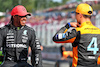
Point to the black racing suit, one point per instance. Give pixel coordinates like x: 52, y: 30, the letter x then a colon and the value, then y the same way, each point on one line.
x: 15, y: 43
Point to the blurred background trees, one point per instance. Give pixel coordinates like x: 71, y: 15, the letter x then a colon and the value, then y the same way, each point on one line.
x: 29, y: 4
x: 33, y: 5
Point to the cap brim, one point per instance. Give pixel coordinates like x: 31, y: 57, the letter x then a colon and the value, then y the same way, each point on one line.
x: 23, y: 14
x: 29, y: 14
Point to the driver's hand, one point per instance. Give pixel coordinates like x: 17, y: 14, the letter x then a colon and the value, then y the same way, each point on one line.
x: 74, y: 24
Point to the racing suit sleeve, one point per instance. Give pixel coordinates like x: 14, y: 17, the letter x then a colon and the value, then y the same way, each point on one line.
x: 66, y: 34
x: 36, y: 52
x: 1, y: 38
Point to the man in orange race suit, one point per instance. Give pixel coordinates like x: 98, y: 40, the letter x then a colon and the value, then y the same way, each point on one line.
x: 83, y: 35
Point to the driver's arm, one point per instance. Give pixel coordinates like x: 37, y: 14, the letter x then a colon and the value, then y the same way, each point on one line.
x: 36, y: 52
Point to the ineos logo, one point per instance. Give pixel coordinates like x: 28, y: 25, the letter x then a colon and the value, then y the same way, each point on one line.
x: 23, y: 9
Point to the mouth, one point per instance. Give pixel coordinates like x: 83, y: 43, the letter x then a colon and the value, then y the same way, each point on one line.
x: 23, y: 21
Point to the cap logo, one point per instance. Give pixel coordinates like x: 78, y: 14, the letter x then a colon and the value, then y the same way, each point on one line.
x: 23, y: 9
x: 90, y: 8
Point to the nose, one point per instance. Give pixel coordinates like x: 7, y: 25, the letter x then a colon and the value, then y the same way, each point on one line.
x: 24, y: 17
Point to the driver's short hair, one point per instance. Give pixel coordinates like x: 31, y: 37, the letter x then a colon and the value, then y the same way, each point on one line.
x: 87, y: 16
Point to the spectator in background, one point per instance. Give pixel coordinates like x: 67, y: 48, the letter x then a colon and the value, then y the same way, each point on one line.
x: 62, y: 49
x: 65, y: 54
x: 73, y: 17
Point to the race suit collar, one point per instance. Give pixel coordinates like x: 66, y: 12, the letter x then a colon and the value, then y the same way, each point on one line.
x: 86, y: 23
x: 16, y: 28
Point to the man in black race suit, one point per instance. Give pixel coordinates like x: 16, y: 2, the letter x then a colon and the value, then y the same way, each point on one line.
x: 16, y: 37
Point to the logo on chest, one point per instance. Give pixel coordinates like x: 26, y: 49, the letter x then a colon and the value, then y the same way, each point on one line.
x: 24, y: 36
x: 10, y: 37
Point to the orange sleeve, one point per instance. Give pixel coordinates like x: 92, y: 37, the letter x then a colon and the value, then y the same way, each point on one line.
x: 98, y: 62
x: 66, y: 41
x: 65, y: 35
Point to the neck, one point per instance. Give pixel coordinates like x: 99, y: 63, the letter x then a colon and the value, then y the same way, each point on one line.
x: 16, y: 24
x: 84, y: 20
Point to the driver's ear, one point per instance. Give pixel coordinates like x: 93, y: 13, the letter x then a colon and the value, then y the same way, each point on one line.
x: 81, y: 15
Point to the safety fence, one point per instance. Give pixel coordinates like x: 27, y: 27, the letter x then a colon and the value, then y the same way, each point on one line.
x: 45, y: 32
x: 97, y: 24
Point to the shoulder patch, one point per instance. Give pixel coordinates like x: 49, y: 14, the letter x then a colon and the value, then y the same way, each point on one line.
x: 30, y: 28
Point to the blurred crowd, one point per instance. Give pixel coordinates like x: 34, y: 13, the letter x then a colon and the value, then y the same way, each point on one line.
x: 49, y: 18
x: 54, y: 15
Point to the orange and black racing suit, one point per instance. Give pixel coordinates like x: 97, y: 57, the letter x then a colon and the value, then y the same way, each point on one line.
x: 85, y: 41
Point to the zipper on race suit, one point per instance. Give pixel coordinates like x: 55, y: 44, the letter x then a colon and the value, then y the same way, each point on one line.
x: 16, y: 44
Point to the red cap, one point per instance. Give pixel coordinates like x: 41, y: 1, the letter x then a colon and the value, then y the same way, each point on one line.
x: 19, y: 10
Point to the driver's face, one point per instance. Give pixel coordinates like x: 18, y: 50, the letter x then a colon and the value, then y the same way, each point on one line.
x: 23, y: 20
x: 78, y: 17
x: 20, y: 20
